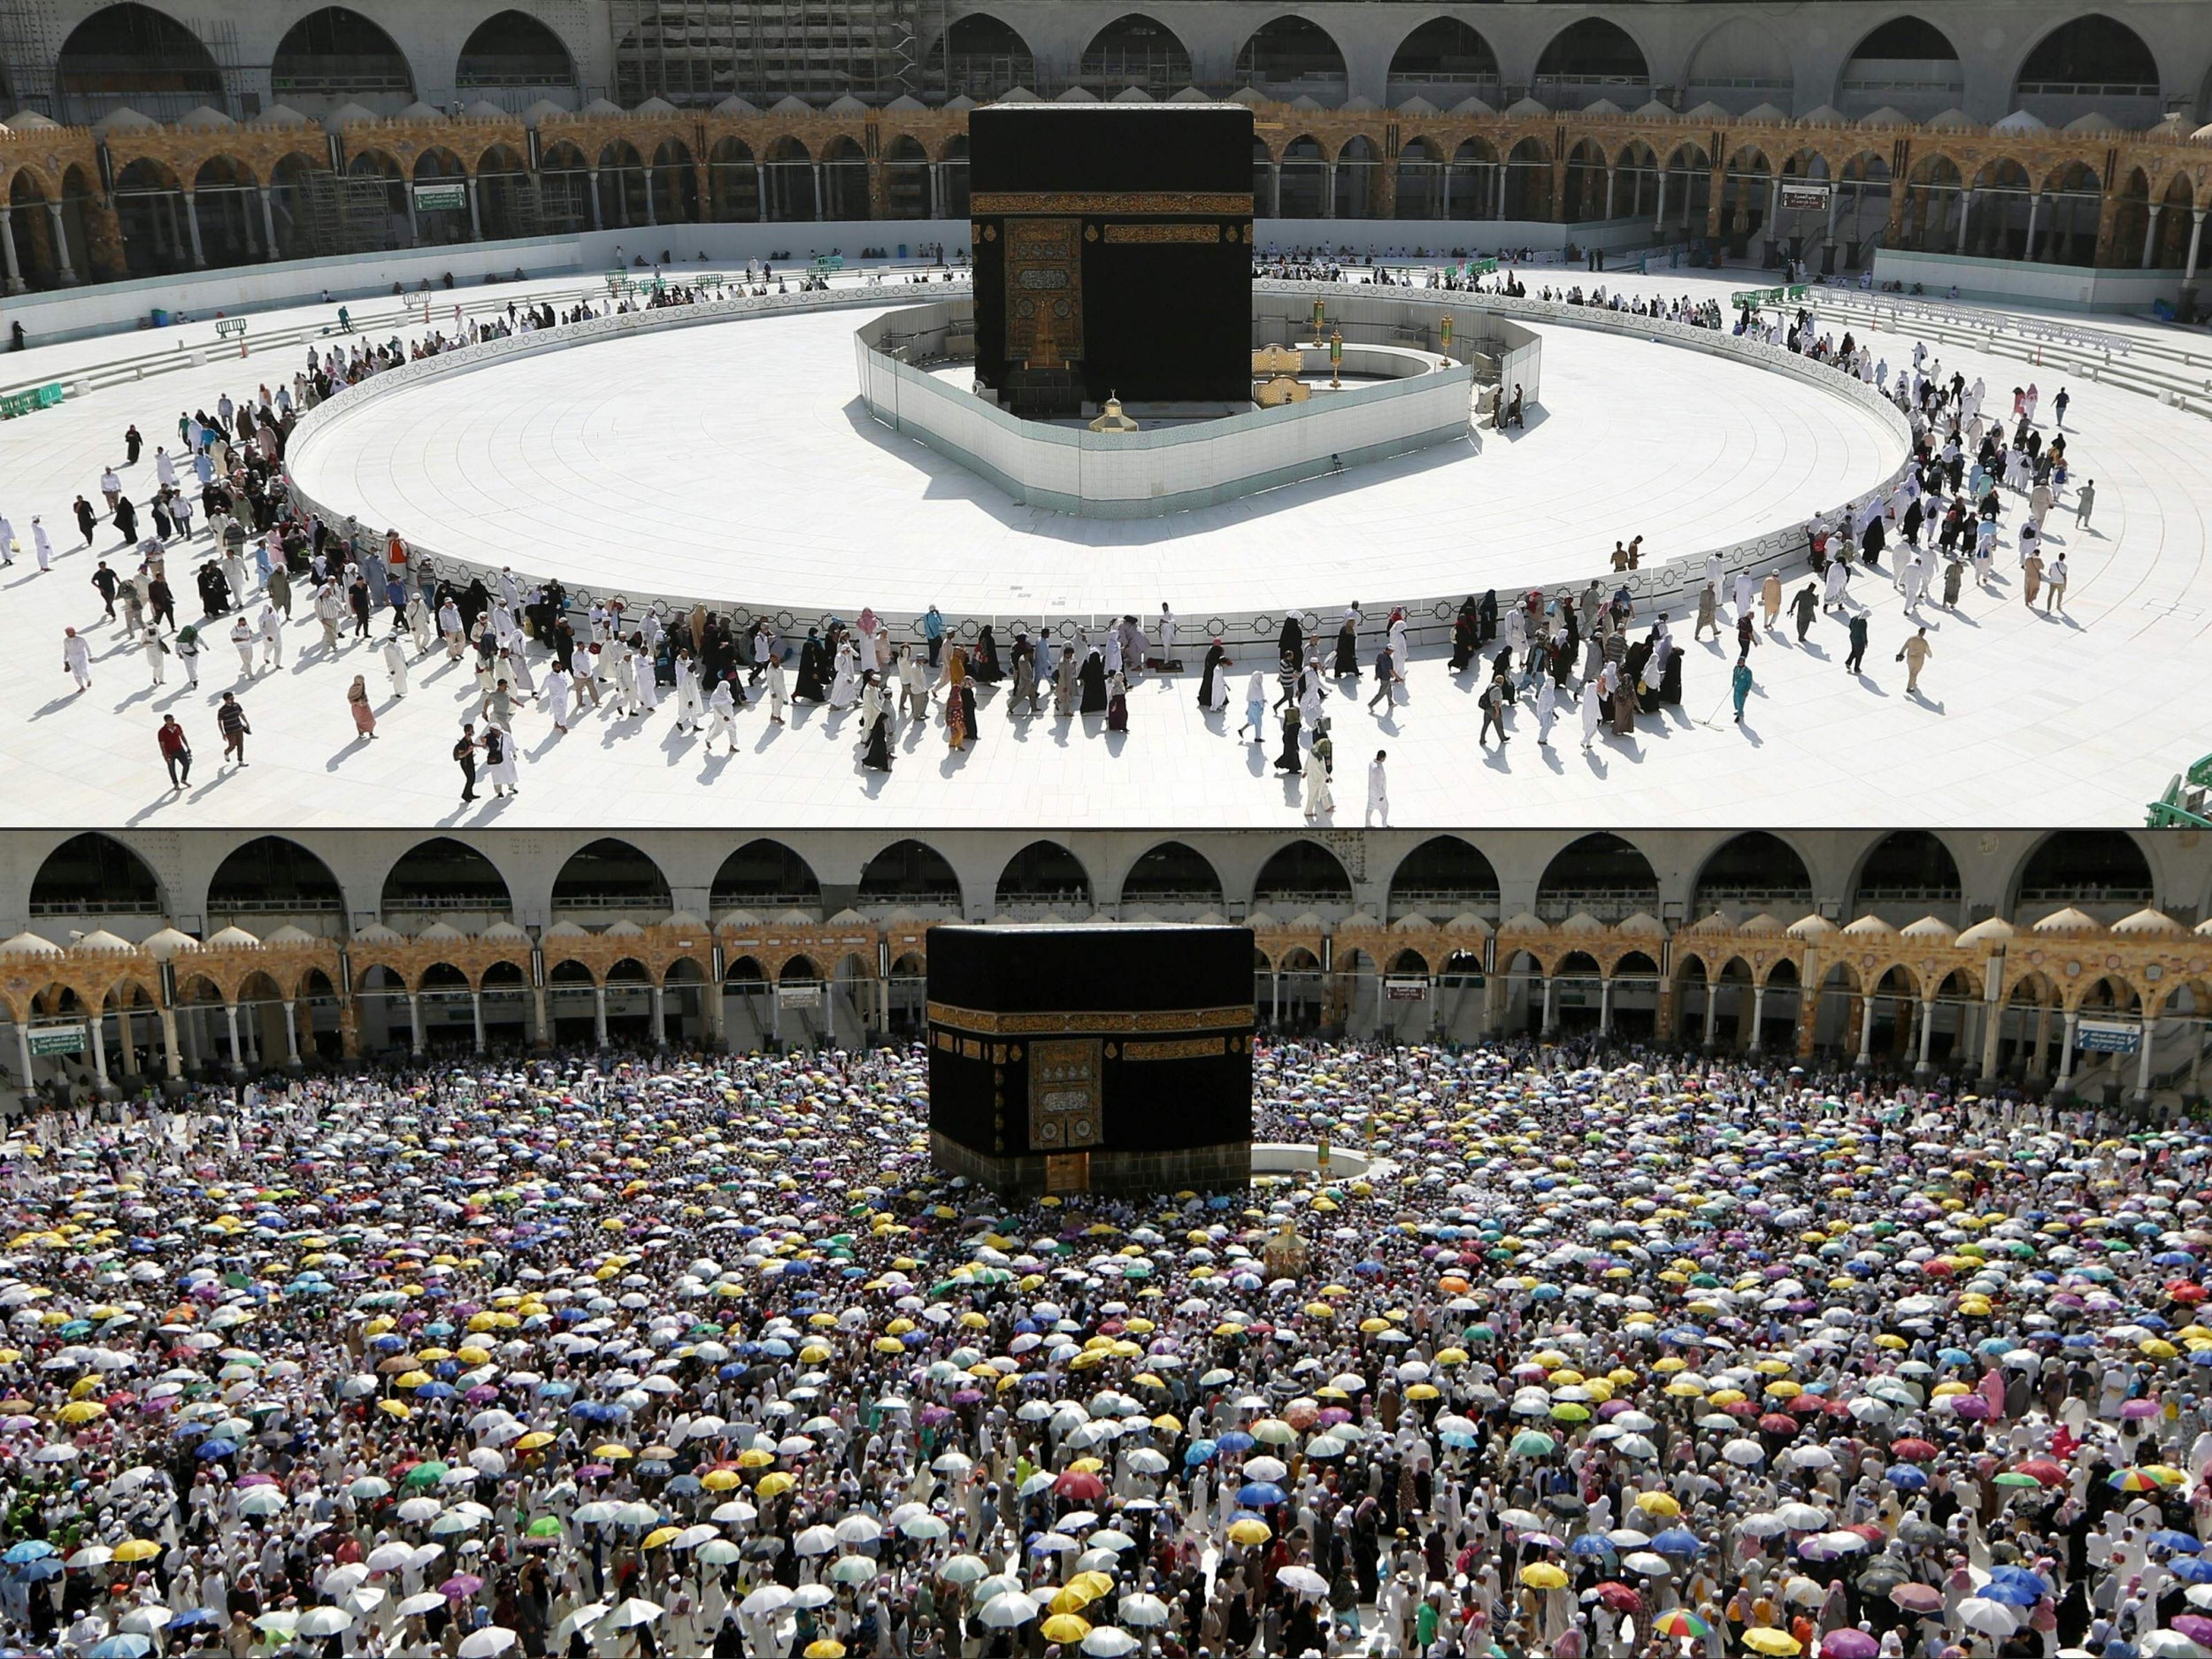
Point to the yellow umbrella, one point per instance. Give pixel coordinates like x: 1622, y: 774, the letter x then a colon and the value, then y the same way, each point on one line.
x: 1093, y: 1583
x: 826, y: 1648
x: 137, y: 1550
x: 394, y: 1408
x: 1065, y: 1627
x: 533, y: 1440
x: 1658, y: 1503
x: 81, y: 1412
x: 718, y: 1479
x: 1777, y: 1642
x: 661, y: 1535
x: 755, y: 1457
x: 776, y: 1485
x: 1543, y: 1575
x: 1072, y: 1600
x: 1249, y: 1531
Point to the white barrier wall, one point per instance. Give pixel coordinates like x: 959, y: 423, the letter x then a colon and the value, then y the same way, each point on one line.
x: 1653, y: 587
x: 1168, y: 469
x: 2059, y: 288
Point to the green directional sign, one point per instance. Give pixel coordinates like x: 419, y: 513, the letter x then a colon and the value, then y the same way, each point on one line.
x: 829, y: 262
x: 58, y: 1040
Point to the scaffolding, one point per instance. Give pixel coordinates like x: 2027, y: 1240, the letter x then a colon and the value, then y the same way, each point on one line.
x: 697, y: 52
x: 26, y: 55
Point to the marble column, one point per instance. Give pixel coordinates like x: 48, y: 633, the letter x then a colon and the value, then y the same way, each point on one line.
x: 66, y: 275
x: 2150, y: 233
x: 268, y: 223
x: 7, y: 248
x: 199, y: 254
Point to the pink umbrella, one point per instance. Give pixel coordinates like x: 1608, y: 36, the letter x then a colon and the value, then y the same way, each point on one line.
x: 460, y: 1586
x: 1848, y: 1644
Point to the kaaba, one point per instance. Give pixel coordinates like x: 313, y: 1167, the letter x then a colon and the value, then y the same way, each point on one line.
x: 1091, y: 1059
x: 1113, y: 254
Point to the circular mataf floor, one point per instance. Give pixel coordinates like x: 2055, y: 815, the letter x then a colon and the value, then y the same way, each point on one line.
x: 733, y: 461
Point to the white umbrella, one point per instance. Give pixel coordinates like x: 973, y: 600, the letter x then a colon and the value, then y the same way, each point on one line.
x: 2167, y: 1644
x: 1106, y: 1642
x: 485, y: 1643
x: 1994, y: 1618
x: 145, y: 1621
x: 1744, y: 1454
x: 1004, y: 1612
x: 716, y: 1552
x: 815, y: 1540
x: 1304, y: 1580
x: 363, y: 1601
x: 1145, y: 1611
x: 338, y: 1580
x: 925, y: 1526
x: 326, y: 1621
x: 583, y: 1618
x: 768, y: 1600
x: 636, y: 1610
x: 1801, y: 1518
x: 813, y: 1595
x: 420, y: 1604
x: 858, y: 1528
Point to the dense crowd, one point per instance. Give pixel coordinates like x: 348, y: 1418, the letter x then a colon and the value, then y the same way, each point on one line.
x: 653, y: 1354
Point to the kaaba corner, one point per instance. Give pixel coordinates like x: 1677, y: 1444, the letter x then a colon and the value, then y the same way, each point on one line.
x: 1113, y: 254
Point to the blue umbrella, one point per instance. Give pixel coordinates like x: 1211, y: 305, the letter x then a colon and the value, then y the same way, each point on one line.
x: 29, y: 1549
x: 1236, y: 1441
x: 2010, y: 1593
x: 217, y: 1449
x: 1906, y: 1478
x: 125, y: 1645
x: 47, y: 1567
x: 2180, y: 1543
x: 1199, y: 1452
x: 2191, y: 1569
x: 1592, y: 1544
x: 1261, y: 1495
x: 1677, y: 1541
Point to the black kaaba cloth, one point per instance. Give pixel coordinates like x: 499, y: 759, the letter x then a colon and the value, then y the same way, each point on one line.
x: 1116, y: 239
x: 1059, y: 1039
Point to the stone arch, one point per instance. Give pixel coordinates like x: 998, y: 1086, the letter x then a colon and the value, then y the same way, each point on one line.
x: 2090, y: 64
x: 1742, y: 62
x: 1045, y: 875
x: 906, y: 178
x: 1357, y: 164
x: 149, y: 200
x: 623, y: 184
x: 93, y: 874
x: 674, y: 184
x: 1301, y: 875
x: 336, y: 56
x: 270, y: 875
x: 786, y: 175
x: 502, y: 191
x: 1601, y: 874
x: 611, y: 874
x: 2101, y: 871
x: 132, y: 55
x: 765, y: 876
x: 1935, y: 200
x: 1304, y: 180
x: 1420, y: 170
x: 1591, y: 58
x: 982, y: 58
x: 1905, y: 64
x: 1750, y: 872
x: 1527, y: 176
x: 1907, y: 871
x: 844, y: 174
x: 733, y: 182
x: 1472, y: 180
x: 227, y: 202
x: 512, y: 50
x: 1444, y: 60
x: 1171, y: 875
x: 952, y: 177
x: 1135, y: 51
x: 1291, y: 57
x: 912, y: 873
x: 1997, y: 210
x: 1584, y: 183
x: 440, y: 876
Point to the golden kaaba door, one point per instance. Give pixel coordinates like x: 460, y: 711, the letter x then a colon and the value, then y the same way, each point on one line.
x: 1044, y: 291
x: 1066, y: 1109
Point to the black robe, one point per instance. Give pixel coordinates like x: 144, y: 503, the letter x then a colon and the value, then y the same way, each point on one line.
x: 876, y: 756
x: 1214, y: 657
x: 1290, y: 760
x: 1093, y: 676
x: 967, y: 707
x: 1347, y: 651
x: 1291, y: 645
x: 813, y: 685
x: 983, y: 662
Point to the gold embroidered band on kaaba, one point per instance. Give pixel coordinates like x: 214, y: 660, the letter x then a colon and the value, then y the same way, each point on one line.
x: 1137, y: 202
x: 1239, y: 1017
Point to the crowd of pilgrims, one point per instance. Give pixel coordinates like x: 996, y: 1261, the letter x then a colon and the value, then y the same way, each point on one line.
x: 1535, y: 645
x: 1607, y: 1352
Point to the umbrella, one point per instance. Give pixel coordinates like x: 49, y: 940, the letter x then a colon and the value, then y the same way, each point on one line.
x: 1004, y: 1612
x: 1776, y: 1642
x: 636, y: 1610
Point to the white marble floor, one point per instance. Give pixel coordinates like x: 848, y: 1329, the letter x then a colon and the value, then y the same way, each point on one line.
x: 2026, y: 720
x: 735, y: 461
